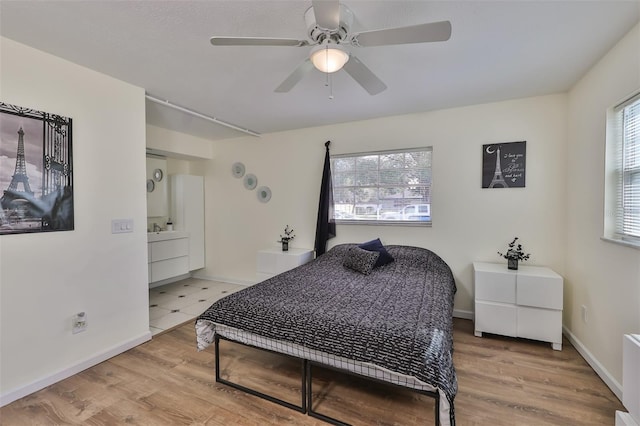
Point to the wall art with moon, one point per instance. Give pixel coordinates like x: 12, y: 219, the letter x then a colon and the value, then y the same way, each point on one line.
x: 504, y: 164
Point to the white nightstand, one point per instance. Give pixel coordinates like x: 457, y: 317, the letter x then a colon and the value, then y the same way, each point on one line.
x: 274, y: 261
x: 524, y: 303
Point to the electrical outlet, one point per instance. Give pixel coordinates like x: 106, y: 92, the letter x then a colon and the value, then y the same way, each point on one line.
x: 79, y: 322
x: 584, y: 313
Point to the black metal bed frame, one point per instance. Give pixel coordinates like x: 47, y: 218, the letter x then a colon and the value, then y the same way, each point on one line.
x: 306, y: 404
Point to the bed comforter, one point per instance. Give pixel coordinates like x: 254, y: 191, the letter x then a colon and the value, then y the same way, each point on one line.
x: 399, y: 317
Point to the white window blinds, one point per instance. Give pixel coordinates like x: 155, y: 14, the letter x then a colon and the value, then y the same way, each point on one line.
x: 628, y: 157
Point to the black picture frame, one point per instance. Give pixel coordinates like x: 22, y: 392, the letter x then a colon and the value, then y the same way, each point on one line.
x: 504, y: 165
x: 36, y: 171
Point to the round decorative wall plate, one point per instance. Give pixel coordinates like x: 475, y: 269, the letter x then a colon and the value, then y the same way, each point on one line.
x: 157, y: 175
x: 250, y: 181
x: 264, y: 194
x: 150, y: 185
x: 237, y: 170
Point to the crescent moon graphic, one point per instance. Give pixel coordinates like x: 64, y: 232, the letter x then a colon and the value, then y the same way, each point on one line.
x: 489, y: 150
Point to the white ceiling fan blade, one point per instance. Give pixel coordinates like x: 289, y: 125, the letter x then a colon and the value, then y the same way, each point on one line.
x: 422, y: 33
x: 295, y: 77
x: 257, y: 41
x: 327, y: 13
x: 363, y: 75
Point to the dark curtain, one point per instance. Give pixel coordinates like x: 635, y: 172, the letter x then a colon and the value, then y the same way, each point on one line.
x: 326, y: 226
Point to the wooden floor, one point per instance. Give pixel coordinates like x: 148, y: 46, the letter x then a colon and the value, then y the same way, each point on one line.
x: 501, y: 381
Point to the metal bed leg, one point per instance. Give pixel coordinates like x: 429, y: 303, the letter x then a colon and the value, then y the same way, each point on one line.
x: 302, y: 408
x: 306, y: 388
x: 303, y: 389
x: 310, y: 411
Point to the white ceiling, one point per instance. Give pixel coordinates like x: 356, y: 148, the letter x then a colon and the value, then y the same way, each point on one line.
x: 498, y: 50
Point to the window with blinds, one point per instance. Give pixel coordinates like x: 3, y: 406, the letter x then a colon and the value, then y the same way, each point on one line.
x: 626, y: 151
x: 386, y: 187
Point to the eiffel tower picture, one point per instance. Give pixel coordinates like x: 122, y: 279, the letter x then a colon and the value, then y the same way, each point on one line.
x: 498, y: 180
x: 19, y: 186
x: 39, y: 194
x: 504, y: 164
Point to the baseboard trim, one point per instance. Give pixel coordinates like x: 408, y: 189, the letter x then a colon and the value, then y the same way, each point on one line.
x: 37, y: 385
x: 625, y: 419
x: 224, y: 279
x: 602, y: 372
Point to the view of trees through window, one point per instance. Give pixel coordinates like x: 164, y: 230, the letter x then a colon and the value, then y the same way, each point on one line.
x: 383, y: 186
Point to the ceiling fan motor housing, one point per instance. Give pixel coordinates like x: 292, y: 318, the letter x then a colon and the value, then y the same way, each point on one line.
x: 319, y: 34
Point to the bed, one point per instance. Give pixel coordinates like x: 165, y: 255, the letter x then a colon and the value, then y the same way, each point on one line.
x: 390, y: 322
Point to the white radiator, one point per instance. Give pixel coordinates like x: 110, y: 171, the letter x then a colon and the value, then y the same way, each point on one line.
x: 630, y: 381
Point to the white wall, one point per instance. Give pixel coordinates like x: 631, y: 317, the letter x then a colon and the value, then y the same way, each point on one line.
x: 178, y: 145
x: 469, y: 223
x: 46, y: 278
x: 158, y: 199
x: 602, y: 276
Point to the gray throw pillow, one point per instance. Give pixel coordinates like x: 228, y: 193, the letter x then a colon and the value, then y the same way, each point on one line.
x: 361, y: 260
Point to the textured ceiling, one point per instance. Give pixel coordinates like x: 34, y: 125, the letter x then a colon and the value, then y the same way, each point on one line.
x: 498, y: 50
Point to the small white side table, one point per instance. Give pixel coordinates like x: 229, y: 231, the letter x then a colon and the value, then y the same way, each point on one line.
x: 524, y: 303
x: 274, y: 261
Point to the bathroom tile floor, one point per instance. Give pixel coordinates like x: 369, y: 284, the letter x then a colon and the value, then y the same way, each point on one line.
x: 173, y: 304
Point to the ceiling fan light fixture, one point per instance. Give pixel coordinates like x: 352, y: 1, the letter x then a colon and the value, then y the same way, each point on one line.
x: 329, y: 58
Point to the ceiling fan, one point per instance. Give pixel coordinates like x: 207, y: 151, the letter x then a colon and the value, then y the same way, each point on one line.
x: 328, y: 24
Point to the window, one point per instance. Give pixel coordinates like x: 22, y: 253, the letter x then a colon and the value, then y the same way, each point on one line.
x: 623, y: 167
x: 388, y: 187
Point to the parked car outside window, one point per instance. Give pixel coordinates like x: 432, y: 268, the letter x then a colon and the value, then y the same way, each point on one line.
x: 414, y: 212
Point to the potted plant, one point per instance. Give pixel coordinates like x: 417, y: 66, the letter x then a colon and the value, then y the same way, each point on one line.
x: 288, y: 236
x: 514, y: 254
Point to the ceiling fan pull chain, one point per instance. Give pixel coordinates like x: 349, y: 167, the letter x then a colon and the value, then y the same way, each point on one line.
x: 328, y: 81
x: 330, y: 86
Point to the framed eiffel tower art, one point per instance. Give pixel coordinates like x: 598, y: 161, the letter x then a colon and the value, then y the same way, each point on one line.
x: 36, y: 171
x: 504, y: 165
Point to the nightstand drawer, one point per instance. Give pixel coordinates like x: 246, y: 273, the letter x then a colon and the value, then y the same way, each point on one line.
x: 543, y: 292
x: 540, y: 324
x: 496, y: 318
x: 495, y: 287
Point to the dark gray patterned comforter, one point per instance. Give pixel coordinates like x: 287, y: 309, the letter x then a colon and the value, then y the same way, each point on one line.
x: 399, y: 317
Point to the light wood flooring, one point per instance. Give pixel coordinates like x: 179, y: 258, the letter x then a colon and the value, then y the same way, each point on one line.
x: 502, y: 381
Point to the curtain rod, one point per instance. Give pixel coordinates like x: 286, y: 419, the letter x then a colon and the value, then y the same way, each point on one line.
x: 199, y: 115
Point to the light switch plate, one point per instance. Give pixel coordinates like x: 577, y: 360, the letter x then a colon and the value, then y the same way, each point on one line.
x: 121, y: 226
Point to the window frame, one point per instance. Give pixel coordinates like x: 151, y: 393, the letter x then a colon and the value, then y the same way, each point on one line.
x: 618, y: 174
x: 377, y: 206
